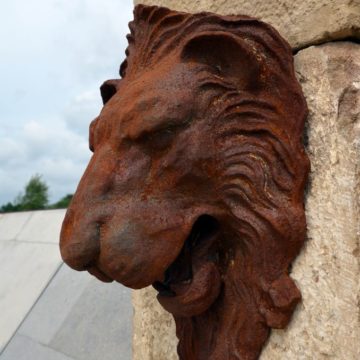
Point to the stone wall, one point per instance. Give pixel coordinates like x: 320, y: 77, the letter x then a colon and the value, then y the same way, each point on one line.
x: 301, y: 22
x: 326, y: 324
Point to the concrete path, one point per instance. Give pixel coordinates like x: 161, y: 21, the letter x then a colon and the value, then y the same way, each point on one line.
x: 48, y: 311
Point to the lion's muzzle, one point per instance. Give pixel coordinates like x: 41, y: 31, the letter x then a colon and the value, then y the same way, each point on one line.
x: 131, y: 247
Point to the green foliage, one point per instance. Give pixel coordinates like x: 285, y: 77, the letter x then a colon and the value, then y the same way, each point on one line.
x: 9, y: 207
x: 63, y: 203
x: 36, y: 194
x: 35, y: 197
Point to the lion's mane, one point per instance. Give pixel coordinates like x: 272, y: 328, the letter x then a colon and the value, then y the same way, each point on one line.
x: 257, y: 111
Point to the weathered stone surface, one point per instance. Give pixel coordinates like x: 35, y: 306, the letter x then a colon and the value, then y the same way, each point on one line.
x: 154, y: 328
x: 300, y: 22
x: 326, y: 324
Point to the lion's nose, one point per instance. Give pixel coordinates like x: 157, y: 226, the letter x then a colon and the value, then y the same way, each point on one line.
x: 78, y: 255
x: 79, y: 245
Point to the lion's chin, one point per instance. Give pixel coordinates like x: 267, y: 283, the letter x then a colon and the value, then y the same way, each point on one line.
x: 193, y: 281
x: 196, y: 297
x: 99, y: 274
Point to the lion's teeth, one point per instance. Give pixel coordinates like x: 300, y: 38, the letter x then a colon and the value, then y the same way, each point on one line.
x: 185, y: 282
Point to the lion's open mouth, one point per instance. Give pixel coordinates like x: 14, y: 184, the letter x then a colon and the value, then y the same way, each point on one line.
x: 192, y: 282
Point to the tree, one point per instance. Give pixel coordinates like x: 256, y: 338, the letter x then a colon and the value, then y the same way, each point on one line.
x: 63, y: 203
x: 36, y: 194
x: 35, y: 197
x: 10, y: 207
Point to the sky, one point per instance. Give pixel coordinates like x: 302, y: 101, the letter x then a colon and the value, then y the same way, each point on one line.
x: 54, y: 55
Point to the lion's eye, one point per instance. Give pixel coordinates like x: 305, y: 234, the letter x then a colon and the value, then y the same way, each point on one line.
x: 158, y: 140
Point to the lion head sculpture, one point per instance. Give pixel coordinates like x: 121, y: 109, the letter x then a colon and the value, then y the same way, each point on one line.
x: 197, y: 178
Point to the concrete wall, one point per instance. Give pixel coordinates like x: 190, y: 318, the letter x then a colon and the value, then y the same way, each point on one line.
x: 29, y: 257
x: 47, y: 310
x: 326, y: 324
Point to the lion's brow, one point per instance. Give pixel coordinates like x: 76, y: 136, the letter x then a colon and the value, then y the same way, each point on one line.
x: 166, y: 126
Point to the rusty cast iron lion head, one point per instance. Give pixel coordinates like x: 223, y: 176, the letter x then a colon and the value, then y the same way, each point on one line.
x: 197, y: 178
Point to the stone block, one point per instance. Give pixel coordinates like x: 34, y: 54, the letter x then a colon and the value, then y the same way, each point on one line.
x: 326, y: 324
x: 300, y: 22
x: 154, y: 328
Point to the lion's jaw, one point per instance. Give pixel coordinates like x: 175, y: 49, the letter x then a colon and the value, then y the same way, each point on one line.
x: 225, y: 330
x: 193, y: 281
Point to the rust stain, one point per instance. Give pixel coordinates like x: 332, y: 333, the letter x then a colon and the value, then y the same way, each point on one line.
x: 197, y: 179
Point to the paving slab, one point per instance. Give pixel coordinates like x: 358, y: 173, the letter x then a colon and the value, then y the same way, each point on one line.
x: 23, y: 348
x: 99, y: 325
x: 45, y: 226
x: 51, y: 310
x: 11, y: 224
x: 83, y: 318
x: 25, y: 269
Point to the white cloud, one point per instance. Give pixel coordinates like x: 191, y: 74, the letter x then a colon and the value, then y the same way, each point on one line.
x: 55, y: 54
x: 11, y: 151
x: 52, y: 150
x: 82, y: 109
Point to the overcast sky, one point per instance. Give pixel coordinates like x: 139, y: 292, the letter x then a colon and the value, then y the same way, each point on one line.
x: 54, y: 55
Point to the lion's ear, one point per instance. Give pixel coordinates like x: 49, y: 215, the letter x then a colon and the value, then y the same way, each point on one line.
x: 226, y: 56
x: 284, y: 296
x: 108, y: 90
